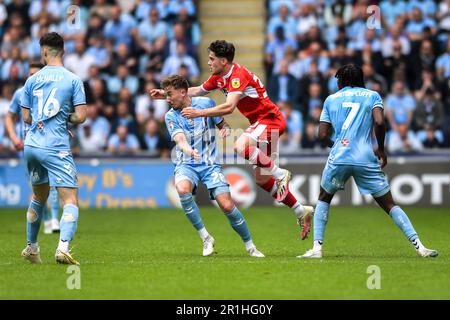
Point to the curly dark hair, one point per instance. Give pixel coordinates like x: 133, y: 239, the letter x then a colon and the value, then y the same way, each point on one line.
x: 350, y: 75
x: 222, y: 49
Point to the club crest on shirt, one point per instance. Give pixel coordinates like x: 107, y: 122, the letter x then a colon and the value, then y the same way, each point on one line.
x: 190, y: 121
x: 170, y: 123
x: 345, y: 142
x: 236, y: 83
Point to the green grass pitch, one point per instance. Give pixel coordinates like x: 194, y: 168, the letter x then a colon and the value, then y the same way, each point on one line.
x: 156, y: 254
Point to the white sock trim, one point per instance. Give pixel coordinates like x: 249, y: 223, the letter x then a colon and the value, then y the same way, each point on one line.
x: 249, y: 245
x: 203, y: 233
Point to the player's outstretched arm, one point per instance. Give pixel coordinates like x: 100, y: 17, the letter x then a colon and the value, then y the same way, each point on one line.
x: 180, y: 140
x: 380, y: 133
x: 219, y: 110
x: 324, y: 134
x: 79, y: 116
x: 196, y: 91
x: 11, y: 119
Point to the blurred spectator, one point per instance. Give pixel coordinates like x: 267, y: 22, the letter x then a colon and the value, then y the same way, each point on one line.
x: 14, y: 65
x: 313, y: 102
x: 314, y: 54
x: 50, y: 8
x: 151, y: 29
x: 283, y: 19
x: 154, y: 142
x: 403, y: 140
x: 146, y: 107
x: 122, y: 56
x: 192, y: 29
x: 276, y: 49
x: 282, y: 85
x: 443, y: 63
x: 122, y: 79
x: 100, y: 8
x: 339, y: 9
x: 309, y: 139
x: 178, y: 35
x: 80, y: 61
x: 429, y: 114
x: 443, y: 15
x: 400, y: 107
x: 431, y: 138
x: 99, y: 51
x: 93, y: 133
x: 124, y: 118
x: 391, y: 10
x: 173, y: 63
x: 3, y: 17
x: 290, y: 141
x: 417, y: 24
x: 119, y: 27
x: 306, y: 20
x: 123, y: 142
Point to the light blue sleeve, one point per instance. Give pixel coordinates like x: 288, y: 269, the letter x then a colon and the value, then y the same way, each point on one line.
x: 377, y: 102
x: 325, y: 115
x: 78, y: 97
x: 172, y: 125
x: 14, y: 107
x: 25, y: 98
x: 113, y: 141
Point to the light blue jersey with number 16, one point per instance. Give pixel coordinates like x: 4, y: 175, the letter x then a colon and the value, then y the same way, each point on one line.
x: 51, y: 94
x: 349, y: 111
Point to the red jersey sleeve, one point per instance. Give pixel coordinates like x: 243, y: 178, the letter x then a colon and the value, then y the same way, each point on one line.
x: 210, y: 84
x: 238, y: 81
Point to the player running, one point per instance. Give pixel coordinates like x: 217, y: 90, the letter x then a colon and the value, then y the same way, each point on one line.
x: 196, y: 162
x: 16, y: 133
x: 259, y: 142
x: 51, y: 98
x: 352, y: 113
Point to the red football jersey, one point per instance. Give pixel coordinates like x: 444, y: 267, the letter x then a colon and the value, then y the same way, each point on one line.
x: 255, y: 103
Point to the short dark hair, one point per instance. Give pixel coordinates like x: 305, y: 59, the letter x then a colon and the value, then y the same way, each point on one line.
x: 36, y: 64
x: 175, y: 81
x: 222, y: 49
x: 350, y: 75
x: 52, y: 40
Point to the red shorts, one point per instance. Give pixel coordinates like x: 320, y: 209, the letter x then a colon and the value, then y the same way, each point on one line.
x: 266, y: 133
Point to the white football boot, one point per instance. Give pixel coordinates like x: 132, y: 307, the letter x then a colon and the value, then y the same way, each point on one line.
x: 283, y: 185
x: 255, y: 253
x: 311, y: 254
x: 424, y: 252
x: 208, y: 246
x: 32, y: 254
x: 65, y: 258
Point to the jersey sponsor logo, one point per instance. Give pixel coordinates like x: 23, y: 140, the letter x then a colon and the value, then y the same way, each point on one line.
x: 35, y: 177
x: 40, y: 125
x: 236, y: 83
x: 219, y: 84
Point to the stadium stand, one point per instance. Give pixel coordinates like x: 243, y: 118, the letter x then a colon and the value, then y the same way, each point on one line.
x: 121, y: 49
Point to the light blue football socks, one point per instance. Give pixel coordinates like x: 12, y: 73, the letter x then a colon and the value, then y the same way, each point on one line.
x: 238, y: 223
x: 320, y: 220
x: 402, y: 221
x: 34, y: 217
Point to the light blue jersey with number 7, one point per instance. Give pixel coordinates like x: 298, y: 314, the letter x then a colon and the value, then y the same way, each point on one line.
x: 51, y: 94
x: 349, y: 111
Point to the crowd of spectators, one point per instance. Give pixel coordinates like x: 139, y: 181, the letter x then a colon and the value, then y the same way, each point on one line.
x: 402, y: 46
x: 120, y: 49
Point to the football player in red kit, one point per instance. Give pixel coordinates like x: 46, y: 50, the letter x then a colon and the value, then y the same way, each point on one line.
x: 245, y: 91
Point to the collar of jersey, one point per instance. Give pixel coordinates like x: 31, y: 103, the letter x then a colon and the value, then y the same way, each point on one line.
x: 225, y: 77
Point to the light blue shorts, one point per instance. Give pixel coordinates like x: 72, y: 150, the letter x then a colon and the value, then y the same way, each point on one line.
x: 369, y: 180
x: 55, y: 167
x: 211, y: 176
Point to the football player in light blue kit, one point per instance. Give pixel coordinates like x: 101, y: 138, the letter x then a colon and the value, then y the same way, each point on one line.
x: 196, y: 162
x: 16, y: 131
x: 51, y: 98
x: 353, y: 112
